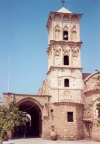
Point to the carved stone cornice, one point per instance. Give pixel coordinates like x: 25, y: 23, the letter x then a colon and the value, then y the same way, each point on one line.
x: 49, y: 51
x: 63, y: 68
x: 62, y: 15
x: 64, y: 42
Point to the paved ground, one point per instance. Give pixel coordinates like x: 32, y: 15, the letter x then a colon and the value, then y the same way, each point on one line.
x: 41, y: 141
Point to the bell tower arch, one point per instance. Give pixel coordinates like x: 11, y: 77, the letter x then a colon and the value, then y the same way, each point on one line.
x: 64, y: 59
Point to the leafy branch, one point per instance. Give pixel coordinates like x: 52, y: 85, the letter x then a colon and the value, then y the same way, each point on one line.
x: 9, y: 118
x: 97, y: 102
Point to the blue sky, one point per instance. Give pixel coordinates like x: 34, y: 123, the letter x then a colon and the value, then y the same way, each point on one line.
x: 23, y: 36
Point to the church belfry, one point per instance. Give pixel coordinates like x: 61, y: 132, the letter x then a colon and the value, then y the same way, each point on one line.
x: 59, y: 110
x: 64, y: 59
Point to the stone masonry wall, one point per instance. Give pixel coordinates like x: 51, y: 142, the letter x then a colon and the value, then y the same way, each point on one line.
x: 92, y: 115
x: 79, y: 120
x: 67, y: 130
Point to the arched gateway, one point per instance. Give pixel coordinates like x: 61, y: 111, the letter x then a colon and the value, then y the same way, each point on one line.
x: 32, y: 109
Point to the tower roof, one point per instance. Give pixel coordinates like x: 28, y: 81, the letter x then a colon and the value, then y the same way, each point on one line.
x: 64, y: 10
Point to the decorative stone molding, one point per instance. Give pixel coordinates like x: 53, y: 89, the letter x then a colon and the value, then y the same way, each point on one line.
x: 75, y: 51
x: 51, y: 16
x: 65, y: 28
x: 73, y: 32
x: 57, y: 16
x: 57, y: 27
x: 74, y: 28
x: 74, y: 18
x: 66, y: 52
x: 66, y: 17
x: 49, y: 51
x: 57, y: 47
x: 57, y: 53
x: 67, y: 94
x: 57, y: 31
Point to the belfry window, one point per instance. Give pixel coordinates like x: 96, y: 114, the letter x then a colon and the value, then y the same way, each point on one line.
x: 65, y: 35
x: 66, y: 82
x: 66, y: 60
x: 70, y: 116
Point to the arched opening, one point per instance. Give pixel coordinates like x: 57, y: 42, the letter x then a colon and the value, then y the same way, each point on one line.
x: 33, y: 127
x: 65, y: 35
x: 66, y: 60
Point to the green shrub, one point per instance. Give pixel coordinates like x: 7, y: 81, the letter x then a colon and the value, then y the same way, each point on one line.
x: 9, y: 118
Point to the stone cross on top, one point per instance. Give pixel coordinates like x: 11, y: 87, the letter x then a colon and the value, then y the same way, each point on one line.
x: 63, y: 2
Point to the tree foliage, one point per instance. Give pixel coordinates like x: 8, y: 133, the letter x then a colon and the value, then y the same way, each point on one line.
x: 96, y: 102
x: 9, y: 118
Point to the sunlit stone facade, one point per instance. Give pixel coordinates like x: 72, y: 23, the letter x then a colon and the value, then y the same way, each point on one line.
x: 64, y: 96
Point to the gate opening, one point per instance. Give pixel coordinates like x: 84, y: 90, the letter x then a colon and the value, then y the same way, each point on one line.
x: 33, y: 126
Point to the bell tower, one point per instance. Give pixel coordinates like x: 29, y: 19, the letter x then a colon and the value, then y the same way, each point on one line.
x: 64, y: 58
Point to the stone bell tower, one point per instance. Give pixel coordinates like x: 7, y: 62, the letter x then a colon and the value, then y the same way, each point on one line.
x: 64, y: 58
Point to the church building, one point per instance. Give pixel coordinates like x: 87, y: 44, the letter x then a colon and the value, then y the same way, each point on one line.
x: 62, y: 101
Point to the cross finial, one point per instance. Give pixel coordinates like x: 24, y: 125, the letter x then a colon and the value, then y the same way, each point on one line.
x: 63, y: 2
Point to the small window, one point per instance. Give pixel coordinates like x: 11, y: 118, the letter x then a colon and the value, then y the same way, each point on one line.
x: 66, y: 82
x: 70, y: 116
x: 65, y: 35
x: 66, y: 60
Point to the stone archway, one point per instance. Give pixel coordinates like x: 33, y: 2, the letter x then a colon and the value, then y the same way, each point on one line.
x: 34, y: 125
